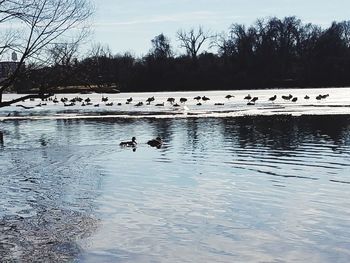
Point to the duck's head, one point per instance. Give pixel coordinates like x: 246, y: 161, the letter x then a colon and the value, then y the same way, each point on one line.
x: 159, y: 139
x: 133, y: 139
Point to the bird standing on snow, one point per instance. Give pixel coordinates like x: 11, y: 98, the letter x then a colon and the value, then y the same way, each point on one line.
x: 273, y: 98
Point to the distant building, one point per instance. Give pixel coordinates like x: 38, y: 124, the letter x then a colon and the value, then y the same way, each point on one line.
x: 7, y: 68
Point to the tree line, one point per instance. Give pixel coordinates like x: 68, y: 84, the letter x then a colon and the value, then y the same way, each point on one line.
x: 273, y: 52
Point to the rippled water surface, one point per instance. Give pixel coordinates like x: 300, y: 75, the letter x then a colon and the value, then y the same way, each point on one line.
x: 248, y: 189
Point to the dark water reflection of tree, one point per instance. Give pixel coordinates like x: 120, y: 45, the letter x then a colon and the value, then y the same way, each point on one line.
x: 281, y: 134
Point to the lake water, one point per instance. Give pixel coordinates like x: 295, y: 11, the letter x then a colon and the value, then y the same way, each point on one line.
x: 245, y: 189
x: 232, y: 183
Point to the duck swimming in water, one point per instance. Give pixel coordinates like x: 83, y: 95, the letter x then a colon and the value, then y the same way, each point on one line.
x: 131, y: 143
x: 157, y: 142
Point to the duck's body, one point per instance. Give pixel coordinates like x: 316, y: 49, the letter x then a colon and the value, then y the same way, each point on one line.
x: 149, y: 100
x: 171, y: 100
x: 248, y: 97
x: 254, y: 99
x: 183, y: 100
x: 131, y: 143
x: 273, y: 98
x: 157, y: 142
x: 289, y: 97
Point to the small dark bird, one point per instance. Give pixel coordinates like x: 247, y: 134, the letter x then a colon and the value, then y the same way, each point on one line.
x: 219, y: 104
x: 199, y: 104
x: 131, y: 143
x: 119, y: 104
x: 229, y: 96
x: 159, y: 104
x: 97, y: 105
x: 197, y: 98
x: 104, y: 99
x: 157, y: 142
x: 176, y: 105
x: 287, y: 97
x: 204, y: 98
x: 306, y: 97
x: 129, y: 100
x: 248, y: 97
x: 109, y: 104
x: 295, y: 99
x: 139, y: 104
x: 171, y: 100
x: 254, y: 99
x: 319, y: 97
x: 149, y: 100
x: 87, y: 100
x: 183, y: 100
x: 273, y: 98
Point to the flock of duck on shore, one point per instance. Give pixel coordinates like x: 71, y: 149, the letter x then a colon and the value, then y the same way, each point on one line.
x: 172, y: 101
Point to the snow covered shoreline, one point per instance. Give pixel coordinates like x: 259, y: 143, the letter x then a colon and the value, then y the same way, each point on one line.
x: 337, y: 103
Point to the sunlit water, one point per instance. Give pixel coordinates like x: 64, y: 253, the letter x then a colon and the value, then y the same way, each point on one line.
x: 248, y: 189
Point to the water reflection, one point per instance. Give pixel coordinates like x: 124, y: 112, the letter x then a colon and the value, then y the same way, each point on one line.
x: 287, y: 132
x: 216, y: 190
x: 1, y: 139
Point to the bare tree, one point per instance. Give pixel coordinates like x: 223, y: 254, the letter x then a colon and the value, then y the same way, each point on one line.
x: 193, y: 40
x: 98, y: 50
x: 41, y: 23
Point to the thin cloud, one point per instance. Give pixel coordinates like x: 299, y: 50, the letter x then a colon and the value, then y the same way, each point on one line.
x: 191, y: 16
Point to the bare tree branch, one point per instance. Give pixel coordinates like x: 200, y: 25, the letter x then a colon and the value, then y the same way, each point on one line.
x: 42, y: 22
x: 193, y: 40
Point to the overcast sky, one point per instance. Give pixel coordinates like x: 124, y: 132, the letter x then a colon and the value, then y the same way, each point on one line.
x: 129, y: 25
